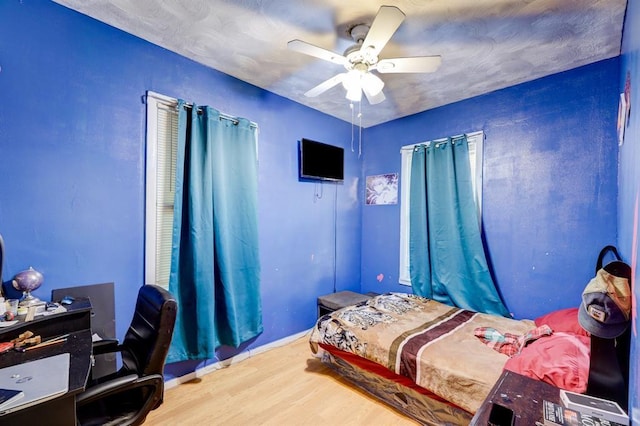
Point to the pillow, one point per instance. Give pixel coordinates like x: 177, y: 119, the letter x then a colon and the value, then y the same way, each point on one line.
x: 564, y: 320
x: 561, y: 359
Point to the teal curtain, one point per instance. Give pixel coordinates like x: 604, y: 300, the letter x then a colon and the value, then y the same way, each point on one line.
x: 446, y: 256
x: 215, y: 267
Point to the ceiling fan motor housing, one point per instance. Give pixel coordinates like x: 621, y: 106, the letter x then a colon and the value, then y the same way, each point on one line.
x: 359, y: 58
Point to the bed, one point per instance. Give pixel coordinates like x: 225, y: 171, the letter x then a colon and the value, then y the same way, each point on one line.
x: 437, y: 363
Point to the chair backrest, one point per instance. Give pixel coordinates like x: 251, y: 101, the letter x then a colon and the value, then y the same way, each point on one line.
x: 147, y: 340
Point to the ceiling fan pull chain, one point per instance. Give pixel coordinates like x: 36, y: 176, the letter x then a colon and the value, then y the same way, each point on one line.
x: 359, y: 129
x: 352, y: 124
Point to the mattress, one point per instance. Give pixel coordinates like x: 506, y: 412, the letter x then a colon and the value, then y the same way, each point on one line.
x: 431, y: 344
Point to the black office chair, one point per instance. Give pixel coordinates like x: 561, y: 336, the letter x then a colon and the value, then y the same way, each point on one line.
x: 127, y: 396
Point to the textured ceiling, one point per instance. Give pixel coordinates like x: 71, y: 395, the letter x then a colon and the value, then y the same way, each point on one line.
x: 485, y: 44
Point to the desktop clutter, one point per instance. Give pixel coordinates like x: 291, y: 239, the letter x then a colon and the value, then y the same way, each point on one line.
x: 27, y: 341
x: 24, y: 281
x: 13, y: 311
x: 28, y: 306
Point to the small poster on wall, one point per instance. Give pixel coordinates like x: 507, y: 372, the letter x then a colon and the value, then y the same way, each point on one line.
x: 382, y: 189
x: 622, y: 118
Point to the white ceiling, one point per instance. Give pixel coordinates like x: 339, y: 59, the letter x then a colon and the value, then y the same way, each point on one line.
x: 485, y: 44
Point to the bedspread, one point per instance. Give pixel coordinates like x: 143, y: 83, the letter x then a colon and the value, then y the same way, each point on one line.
x: 431, y: 343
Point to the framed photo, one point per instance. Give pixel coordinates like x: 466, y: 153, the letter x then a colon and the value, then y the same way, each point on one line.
x: 382, y: 189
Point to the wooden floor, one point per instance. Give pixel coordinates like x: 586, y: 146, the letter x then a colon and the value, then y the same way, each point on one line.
x: 283, y: 386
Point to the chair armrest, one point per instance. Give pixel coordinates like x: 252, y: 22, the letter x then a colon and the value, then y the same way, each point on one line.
x: 105, y: 346
x: 104, y: 389
x: 118, y: 385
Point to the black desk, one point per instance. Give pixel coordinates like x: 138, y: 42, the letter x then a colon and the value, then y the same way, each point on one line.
x: 521, y: 394
x: 77, y: 317
x: 77, y: 322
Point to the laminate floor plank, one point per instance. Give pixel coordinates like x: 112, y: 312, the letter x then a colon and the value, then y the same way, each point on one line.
x: 280, y: 387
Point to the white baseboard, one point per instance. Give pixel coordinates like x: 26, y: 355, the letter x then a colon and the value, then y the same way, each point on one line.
x: 233, y: 360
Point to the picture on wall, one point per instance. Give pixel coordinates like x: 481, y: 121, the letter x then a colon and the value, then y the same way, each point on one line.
x: 382, y: 189
x: 622, y: 118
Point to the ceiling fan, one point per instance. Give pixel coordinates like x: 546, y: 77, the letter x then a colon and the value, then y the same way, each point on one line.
x: 361, y: 59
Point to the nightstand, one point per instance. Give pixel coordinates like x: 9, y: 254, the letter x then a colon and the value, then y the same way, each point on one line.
x: 335, y: 301
x: 523, y: 395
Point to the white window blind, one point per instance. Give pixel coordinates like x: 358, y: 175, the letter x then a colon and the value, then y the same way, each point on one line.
x: 162, y: 143
x: 475, y: 159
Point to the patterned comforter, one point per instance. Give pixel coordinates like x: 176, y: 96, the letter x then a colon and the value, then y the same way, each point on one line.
x: 431, y: 343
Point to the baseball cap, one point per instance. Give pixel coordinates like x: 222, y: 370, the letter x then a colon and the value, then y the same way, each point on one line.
x: 606, y: 302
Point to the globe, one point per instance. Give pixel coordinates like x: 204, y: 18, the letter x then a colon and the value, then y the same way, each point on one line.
x: 28, y: 281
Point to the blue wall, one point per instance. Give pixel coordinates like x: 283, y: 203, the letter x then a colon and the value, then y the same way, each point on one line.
x: 629, y: 183
x: 72, y: 130
x: 72, y: 144
x: 549, y: 184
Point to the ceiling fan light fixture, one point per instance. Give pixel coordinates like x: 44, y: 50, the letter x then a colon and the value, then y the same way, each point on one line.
x: 372, y: 83
x: 356, y: 81
x: 354, y: 93
x: 352, y: 78
x: 353, y: 84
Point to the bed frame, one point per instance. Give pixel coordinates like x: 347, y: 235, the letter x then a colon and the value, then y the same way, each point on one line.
x: 398, y: 392
x: 341, y: 348
x: 405, y: 350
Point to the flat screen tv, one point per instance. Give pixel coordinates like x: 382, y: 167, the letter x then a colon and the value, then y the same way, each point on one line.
x: 321, y: 161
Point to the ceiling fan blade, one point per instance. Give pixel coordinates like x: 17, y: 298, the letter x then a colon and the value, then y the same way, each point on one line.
x: 384, y: 25
x: 318, y: 52
x: 408, y: 65
x: 326, y: 85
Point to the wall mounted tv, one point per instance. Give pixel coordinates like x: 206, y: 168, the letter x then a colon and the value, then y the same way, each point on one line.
x: 321, y: 161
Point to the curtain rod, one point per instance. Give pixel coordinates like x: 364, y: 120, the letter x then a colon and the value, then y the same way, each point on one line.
x: 471, y: 134
x: 224, y: 116
x: 170, y: 102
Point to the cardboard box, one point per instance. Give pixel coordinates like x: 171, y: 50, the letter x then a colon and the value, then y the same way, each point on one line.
x: 598, y: 407
x: 557, y: 415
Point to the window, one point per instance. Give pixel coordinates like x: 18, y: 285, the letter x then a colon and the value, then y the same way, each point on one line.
x: 475, y: 158
x: 162, y: 144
